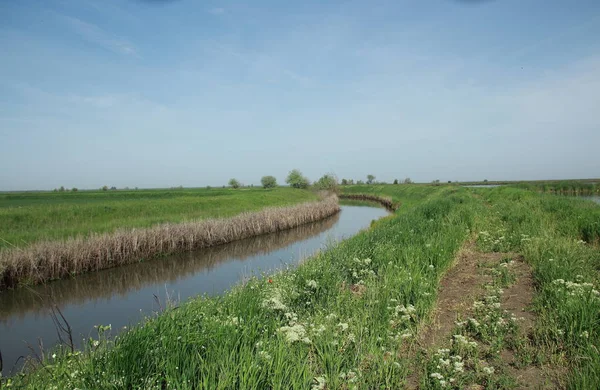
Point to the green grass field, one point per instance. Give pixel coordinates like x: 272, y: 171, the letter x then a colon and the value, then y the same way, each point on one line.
x: 33, y: 216
x: 350, y: 317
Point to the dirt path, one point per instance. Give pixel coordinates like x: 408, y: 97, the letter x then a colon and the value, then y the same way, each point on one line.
x: 464, y: 284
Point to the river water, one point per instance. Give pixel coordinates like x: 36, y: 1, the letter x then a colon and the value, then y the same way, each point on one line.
x: 123, y: 296
x: 593, y: 198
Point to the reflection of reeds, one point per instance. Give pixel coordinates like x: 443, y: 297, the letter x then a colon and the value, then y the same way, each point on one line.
x: 121, y: 280
x: 383, y: 200
x: 55, y: 259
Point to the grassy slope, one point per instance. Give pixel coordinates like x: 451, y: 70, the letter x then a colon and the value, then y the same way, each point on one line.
x: 29, y: 217
x: 342, y: 317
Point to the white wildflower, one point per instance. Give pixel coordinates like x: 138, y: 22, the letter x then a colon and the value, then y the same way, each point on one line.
x: 320, y: 385
x: 312, y: 284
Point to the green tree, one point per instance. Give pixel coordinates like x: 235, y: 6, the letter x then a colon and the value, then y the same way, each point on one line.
x: 268, y: 181
x: 327, y: 182
x: 234, y: 183
x: 296, y: 180
x: 370, y: 179
x: 74, y: 189
x: 395, y: 181
x: 61, y: 189
x: 104, y: 188
x: 344, y: 182
x: 408, y: 181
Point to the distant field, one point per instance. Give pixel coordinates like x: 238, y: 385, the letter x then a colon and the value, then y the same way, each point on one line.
x: 33, y: 216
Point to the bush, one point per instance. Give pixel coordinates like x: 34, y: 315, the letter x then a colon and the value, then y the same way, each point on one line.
x: 296, y: 180
x: 327, y: 182
x: 234, y: 183
x: 268, y: 182
x: 74, y: 189
x: 370, y: 179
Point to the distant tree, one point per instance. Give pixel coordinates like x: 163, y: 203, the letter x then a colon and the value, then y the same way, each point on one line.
x: 408, y: 181
x: 113, y: 188
x: 344, y: 182
x: 449, y: 181
x: 351, y: 181
x: 485, y: 180
x: 208, y: 187
x: 55, y: 190
x: 74, y: 189
x: 268, y: 181
x: 395, y: 181
x: 296, y: 180
x: 327, y: 182
x: 370, y: 179
x: 61, y: 189
x: 104, y: 188
x: 136, y: 188
x: 359, y: 182
x: 234, y: 183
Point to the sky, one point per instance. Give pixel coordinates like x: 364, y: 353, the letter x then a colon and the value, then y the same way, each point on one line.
x: 167, y: 93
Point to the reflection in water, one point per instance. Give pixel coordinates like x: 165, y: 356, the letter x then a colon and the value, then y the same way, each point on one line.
x: 122, y: 280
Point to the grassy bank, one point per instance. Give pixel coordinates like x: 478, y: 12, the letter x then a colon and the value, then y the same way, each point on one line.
x: 39, y: 216
x: 48, y: 260
x: 348, y: 317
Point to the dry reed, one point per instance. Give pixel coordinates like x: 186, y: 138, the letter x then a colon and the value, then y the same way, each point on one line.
x: 50, y: 260
x: 383, y: 200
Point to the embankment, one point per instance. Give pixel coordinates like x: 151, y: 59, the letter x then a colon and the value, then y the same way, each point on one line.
x: 50, y: 260
x: 383, y: 200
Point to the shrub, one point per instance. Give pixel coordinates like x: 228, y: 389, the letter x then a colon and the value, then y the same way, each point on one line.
x: 370, y: 179
x: 74, y: 189
x: 268, y: 182
x: 296, y: 180
x: 327, y: 182
x: 234, y: 183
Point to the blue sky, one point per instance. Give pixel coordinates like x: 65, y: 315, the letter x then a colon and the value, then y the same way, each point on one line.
x: 158, y: 94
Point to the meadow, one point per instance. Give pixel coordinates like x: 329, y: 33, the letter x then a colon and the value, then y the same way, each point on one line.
x: 30, y: 217
x: 353, y: 316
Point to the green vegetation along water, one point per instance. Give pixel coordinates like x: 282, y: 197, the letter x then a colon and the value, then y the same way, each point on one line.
x: 351, y: 316
x: 33, y: 216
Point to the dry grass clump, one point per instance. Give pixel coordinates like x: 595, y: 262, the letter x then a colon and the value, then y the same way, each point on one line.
x: 386, y: 201
x: 49, y: 260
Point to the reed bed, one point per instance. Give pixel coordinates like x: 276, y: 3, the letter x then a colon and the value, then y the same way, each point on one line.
x: 385, y: 201
x: 135, y: 276
x: 50, y: 260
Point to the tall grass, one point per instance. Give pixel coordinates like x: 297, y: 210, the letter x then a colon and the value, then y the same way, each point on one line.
x: 346, y: 317
x: 560, y: 238
x: 336, y: 321
x: 49, y: 260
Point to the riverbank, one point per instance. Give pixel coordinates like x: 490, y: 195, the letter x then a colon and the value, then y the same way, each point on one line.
x: 352, y: 316
x: 51, y: 260
x: 29, y: 217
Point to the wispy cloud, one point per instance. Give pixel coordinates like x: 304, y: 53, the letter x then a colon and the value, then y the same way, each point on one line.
x: 96, y: 35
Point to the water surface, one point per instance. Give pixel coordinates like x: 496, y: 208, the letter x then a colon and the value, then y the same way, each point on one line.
x: 123, y: 296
